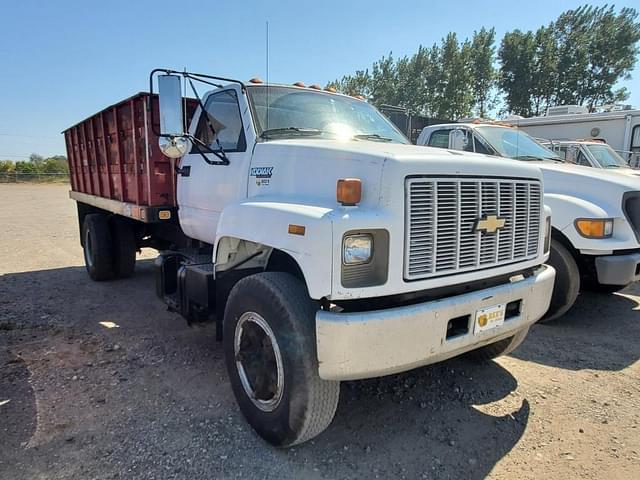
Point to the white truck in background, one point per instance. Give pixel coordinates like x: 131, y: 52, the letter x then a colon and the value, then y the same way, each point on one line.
x: 595, y: 242
x: 620, y: 129
x: 323, y: 245
x: 590, y: 153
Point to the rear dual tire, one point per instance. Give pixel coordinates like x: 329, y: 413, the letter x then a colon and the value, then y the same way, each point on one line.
x: 109, y: 247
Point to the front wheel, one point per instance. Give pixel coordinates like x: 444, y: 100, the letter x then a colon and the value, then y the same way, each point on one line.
x: 270, y: 351
x: 567, y: 284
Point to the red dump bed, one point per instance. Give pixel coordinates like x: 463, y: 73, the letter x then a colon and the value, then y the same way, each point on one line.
x: 114, y: 155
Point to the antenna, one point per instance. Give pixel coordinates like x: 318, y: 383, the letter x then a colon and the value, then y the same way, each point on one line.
x: 267, y: 75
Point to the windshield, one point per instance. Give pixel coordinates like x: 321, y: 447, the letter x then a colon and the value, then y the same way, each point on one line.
x: 606, y: 156
x: 294, y: 112
x: 513, y: 143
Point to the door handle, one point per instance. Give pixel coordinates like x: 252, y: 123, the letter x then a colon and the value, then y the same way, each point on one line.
x: 184, y: 171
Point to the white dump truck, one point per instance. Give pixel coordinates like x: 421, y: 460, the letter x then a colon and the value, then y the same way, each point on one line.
x: 595, y: 243
x: 323, y: 245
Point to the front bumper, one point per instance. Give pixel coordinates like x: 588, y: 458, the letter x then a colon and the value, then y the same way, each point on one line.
x: 618, y: 269
x: 360, y: 345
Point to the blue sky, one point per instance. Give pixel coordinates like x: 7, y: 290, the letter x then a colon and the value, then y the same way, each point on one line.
x: 64, y: 60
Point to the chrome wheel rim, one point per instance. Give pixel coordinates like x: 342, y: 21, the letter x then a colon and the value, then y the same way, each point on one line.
x: 259, y: 361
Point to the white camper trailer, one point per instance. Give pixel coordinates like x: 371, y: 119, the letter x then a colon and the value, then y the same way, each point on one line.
x: 620, y: 129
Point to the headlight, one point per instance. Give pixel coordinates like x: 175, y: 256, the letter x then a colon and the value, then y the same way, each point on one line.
x: 595, y: 227
x: 357, y: 249
x: 547, y: 235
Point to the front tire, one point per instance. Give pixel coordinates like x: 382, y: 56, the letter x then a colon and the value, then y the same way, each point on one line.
x: 567, y: 284
x: 270, y: 351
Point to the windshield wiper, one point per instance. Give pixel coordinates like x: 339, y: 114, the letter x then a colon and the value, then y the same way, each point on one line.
x: 304, y: 132
x: 372, y: 136
x: 534, y: 157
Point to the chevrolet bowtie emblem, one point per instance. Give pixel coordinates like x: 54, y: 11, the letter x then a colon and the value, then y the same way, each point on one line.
x: 489, y: 224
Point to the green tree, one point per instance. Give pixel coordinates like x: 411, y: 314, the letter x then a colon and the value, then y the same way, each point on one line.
x: 26, y: 167
x: 545, y: 66
x: 612, y: 53
x: 483, y: 73
x: 578, y: 59
x: 384, y: 84
x: 454, y: 97
x: 36, y: 159
x: 57, y: 164
x: 357, y: 84
x: 6, y: 166
x: 435, y: 81
x: 516, y: 55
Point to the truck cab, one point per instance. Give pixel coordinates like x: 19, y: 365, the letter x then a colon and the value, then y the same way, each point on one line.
x: 327, y: 248
x: 590, y: 153
x: 596, y: 213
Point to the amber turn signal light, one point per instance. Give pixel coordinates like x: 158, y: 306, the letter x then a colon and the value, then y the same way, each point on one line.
x: 594, y: 228
x: 349, y: 191
x: 297, y: 229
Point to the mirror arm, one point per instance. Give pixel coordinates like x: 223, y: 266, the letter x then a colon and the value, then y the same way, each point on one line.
x: 199, y: 145
x: 224, y: 160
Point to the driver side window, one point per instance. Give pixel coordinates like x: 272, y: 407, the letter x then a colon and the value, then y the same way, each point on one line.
x: 439, y: 138
x: 222, y: 116
x: 582, y: 160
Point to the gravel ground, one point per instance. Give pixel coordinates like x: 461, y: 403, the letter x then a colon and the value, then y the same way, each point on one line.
x: 98, y: 380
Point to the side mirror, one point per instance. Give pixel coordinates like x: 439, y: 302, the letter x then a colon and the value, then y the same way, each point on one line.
x: 173, y: 142
x: 457, y: 139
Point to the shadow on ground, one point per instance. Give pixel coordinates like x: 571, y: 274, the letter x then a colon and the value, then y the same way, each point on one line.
x: 592, y: 335
x: 17, y: 402
x: 160, y: 404
x: 425, y: 423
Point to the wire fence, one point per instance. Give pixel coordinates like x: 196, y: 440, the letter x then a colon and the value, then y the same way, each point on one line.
x: 22, y: 177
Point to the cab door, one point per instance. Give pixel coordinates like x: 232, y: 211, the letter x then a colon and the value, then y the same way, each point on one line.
x: 204, y: 189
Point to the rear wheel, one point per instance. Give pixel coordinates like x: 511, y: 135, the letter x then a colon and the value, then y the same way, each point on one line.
x: 270, y: 351
x: 567, y: 283
x: 124, y: 248
x: 97, y: 245
x: 499, y: 348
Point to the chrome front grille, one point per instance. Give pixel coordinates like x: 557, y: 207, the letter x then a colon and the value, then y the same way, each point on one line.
x: 441, y: 219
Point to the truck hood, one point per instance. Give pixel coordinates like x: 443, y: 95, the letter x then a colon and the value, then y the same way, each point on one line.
x: 632, y: 172
x: 575, y: 191
x: 563, y: 177
x: 315, y: 165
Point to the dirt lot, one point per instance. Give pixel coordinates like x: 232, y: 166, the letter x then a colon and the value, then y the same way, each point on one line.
x: 149, y: 397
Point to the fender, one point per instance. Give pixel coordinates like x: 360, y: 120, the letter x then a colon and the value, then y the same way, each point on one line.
x: 566, y: 209
x: 266, y: 222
